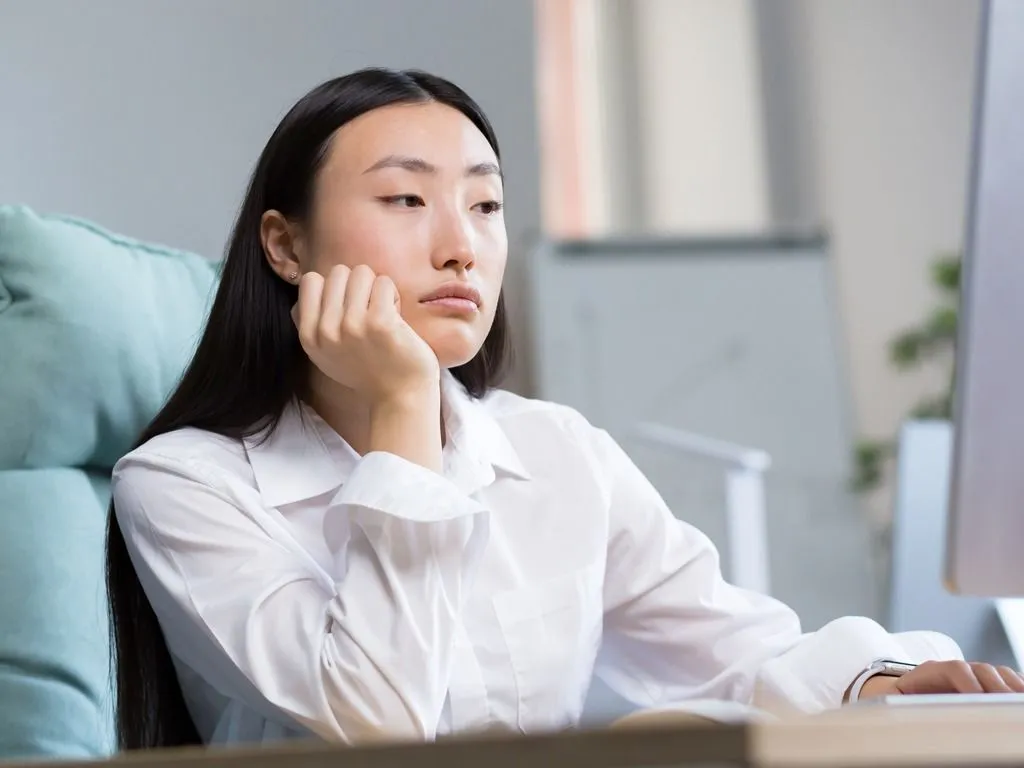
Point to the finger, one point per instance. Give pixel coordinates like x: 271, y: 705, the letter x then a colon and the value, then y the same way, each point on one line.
x: 384, y: 303
x: 1012, y: 678
x: 990, y: 679
x: 332, y: 307
x: 940, y: 677
x: 962, y: 679
x: 357, y: 298
x: 307, y: 309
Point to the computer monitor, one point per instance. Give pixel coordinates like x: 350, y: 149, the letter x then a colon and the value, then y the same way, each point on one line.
x: 985, y: 534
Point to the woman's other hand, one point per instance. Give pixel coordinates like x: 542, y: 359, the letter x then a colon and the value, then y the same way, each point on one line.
x: 946, y: 677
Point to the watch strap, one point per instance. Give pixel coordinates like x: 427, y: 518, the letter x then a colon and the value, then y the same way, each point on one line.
x: 878, y: 668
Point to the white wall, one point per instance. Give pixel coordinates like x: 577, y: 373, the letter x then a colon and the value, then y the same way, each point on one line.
x: 848, y: 115
x: 852, y: 115
x: 701, y: 138
x: 148, y: 116
x: 888, y: 107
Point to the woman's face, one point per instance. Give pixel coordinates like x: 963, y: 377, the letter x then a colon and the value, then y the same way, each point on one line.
x: 414, y: 192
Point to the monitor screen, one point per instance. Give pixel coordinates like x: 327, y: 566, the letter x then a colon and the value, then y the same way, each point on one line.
x: 985, y: 546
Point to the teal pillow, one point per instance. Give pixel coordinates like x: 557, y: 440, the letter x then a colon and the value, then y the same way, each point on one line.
x: 95, y: 331
x: 55, y: 683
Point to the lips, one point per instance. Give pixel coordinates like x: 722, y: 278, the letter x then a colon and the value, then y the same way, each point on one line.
x: 454, y: 292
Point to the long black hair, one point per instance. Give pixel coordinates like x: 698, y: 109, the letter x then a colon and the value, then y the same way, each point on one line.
x: 249, y: 365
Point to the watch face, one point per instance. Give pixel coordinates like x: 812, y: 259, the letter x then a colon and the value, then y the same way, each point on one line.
x: 895, y: 668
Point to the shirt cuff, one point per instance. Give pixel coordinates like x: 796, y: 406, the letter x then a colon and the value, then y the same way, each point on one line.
x: 816, y: 673
x: 389, y: 484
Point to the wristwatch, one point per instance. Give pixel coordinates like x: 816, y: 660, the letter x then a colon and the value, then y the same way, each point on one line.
x: 879, y: 667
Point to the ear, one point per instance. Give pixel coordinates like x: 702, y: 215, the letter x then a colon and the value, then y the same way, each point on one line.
x: 282, y: 244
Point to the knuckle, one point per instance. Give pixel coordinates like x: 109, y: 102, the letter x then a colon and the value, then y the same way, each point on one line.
x: 327, y: 335
x: 362, y: 274
x: 961, y: 667
x: 325, y: 330
x: 306, y: 339
x: 377, y: 325
x: 350, y: 327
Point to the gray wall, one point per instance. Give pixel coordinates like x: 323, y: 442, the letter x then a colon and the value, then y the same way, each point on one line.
x: 148, y: 116
x: 870, y: 105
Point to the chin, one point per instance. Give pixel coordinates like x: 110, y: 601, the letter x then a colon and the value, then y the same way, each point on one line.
x: 453, y: 350
x: 455, y: 341
x: 448, y: 358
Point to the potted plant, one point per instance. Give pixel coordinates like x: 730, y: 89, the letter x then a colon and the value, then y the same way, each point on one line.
x: 931, y: 342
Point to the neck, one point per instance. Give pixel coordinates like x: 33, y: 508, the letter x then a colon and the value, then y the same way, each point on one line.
x: 344, y: 411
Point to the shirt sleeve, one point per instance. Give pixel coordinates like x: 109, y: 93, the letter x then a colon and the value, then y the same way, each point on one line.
x: 362, y: 655
x: 675, y: 630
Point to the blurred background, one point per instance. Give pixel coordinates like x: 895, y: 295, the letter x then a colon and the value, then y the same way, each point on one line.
x: 736, y: 221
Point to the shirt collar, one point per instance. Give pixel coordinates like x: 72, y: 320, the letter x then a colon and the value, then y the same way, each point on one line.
x: 303, y: 457
x: 474, y: 432
x: 300, y: 459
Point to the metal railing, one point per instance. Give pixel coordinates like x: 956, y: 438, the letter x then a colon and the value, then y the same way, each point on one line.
x: 746, y: 520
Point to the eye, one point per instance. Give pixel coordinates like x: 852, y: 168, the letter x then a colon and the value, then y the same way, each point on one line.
x: 489, y: 207
x: 404, y: 201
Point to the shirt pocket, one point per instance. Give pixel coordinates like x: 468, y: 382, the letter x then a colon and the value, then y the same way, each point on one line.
x: 552, y: 630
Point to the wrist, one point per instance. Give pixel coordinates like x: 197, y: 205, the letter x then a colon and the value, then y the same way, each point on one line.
x: 880, y: 678
x: 413, y: 411
x: 408, y: 425
x: 878, y: 686
x: 416, y: 397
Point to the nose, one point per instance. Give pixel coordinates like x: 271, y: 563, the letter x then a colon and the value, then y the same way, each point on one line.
x: 453, y: 245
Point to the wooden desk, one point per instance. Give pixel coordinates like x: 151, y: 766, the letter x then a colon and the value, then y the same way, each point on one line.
x: 696, y: 744
x: 879, y: 737
x: 870, y: 736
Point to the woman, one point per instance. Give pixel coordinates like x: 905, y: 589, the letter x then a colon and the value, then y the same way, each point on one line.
x: 338, y: 527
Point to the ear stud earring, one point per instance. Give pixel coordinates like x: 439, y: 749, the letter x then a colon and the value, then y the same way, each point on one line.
x: 293, y: 277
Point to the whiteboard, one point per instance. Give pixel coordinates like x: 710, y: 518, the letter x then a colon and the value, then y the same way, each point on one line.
x: 733, y: 338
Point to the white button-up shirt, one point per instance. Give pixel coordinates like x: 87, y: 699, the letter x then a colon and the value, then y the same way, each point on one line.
x: 303, y: 588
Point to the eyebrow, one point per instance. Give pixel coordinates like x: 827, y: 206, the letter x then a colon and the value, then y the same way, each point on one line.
x: 418, y: 165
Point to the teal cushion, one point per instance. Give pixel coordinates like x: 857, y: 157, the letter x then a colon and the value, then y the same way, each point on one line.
x: 95, y: 330
x: 55, y: 692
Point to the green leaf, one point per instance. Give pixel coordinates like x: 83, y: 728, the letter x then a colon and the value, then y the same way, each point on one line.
x: 946, y: 273
x: 934, y: 338
x: 938, y: 407
x: 869, y: 461
x: 908, y: 348
x: 937, y: 336
x: 942, y: 324
x: 872, y: 450
x: 865, y: 479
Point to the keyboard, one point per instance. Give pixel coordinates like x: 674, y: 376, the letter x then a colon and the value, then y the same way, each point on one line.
x: 947, y: 700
